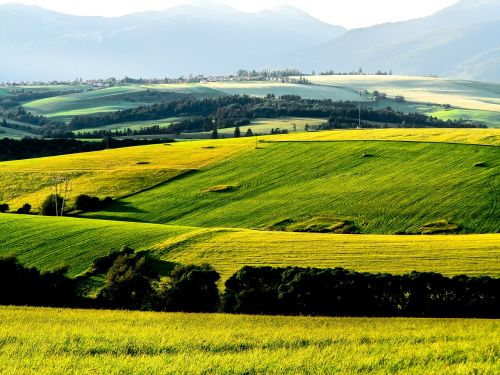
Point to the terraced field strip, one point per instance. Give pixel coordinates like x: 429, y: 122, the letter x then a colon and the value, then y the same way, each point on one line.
x: 80, y: 102
x: 465, y: 136
x: 48, y: 242
x: 115, y: 172
x: 229, y: 250
x: 381, y: 187
x: 47, y: 341
x: 262, y: 88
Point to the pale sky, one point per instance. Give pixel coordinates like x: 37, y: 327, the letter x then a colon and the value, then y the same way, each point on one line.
x: 348, y: 13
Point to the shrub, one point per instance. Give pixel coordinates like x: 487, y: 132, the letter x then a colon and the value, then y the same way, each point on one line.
x: 85, y: 202
x: 49, y: 205
x: 192, y: 288
x: 340, y: 292
x: 27, y: 286
x: 25, y: 209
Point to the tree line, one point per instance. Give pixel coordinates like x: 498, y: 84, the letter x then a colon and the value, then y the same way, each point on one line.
x: 132, y: 282
x: 230, y: 111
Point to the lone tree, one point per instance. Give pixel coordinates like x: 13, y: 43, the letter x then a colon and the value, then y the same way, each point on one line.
x: 215, y: 134
x: 237, y: 132
x: 249, y: 133
x: 4, y: 207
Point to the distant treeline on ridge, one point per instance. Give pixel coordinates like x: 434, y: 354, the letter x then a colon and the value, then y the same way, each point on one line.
x: 229, y: 111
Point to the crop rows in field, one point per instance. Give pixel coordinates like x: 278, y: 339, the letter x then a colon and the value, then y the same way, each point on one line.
x: 47, y: 242
x: 379, y: 187
x: 229, y: 250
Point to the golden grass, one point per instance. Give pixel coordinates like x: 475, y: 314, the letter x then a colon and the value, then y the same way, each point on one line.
x: 120, y: 172
x: 466, y: 136
x: 115, y: 172
x: 59, y: 341
x: 228, y: 250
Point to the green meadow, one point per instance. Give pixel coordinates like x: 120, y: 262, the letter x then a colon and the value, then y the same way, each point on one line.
x: 373, y: 186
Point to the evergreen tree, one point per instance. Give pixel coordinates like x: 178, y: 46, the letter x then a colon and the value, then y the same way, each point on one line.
x: 215, y: 133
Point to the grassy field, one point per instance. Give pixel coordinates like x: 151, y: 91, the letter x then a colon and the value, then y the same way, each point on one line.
x: 58, y: 341
x: 378, y: 186
x: 490, y: 118
x: 348, y: 178
x: 229, y: 250
x: 458, y: 136
x: 47, y: 242
x: 258, y: 126
x: 115, y: 172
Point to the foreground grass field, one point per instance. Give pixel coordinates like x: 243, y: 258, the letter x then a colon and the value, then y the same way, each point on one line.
x: 47, y: 242
x: 369, y: 186
x: 58, y: 341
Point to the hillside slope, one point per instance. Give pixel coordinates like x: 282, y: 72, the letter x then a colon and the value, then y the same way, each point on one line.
x: 357, y: 186
x: 48, y: 242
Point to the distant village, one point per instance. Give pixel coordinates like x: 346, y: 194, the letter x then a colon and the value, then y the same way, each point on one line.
x: 284, y: 76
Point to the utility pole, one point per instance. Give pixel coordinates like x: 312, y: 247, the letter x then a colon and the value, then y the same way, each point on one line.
x: 61, y: 180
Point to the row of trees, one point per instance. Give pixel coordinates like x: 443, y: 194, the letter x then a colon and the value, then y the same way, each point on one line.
x: 340, y: 292
x: 132, y: 282
x: 230, y: 111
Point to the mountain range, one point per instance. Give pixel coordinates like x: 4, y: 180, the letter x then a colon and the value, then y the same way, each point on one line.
x: 461, y: 41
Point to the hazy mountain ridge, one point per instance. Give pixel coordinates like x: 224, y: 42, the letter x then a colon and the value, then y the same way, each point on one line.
x: 442, y: 44
x: 459, y: 41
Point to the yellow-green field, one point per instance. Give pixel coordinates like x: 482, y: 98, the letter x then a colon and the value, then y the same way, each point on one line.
x: 47, y: 242
x: 115, y: 172
x: 229, y: 250
x: 465, y: 136
x: 58, y: 341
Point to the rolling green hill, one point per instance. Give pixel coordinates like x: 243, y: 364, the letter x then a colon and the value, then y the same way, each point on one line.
x: 476, y: 101
x: 340, y: 186
x: 47, y: 242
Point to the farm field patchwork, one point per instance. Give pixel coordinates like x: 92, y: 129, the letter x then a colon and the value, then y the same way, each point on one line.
x: 47, y: 242
x: 462, y: 94
x: 49, y: 341
x: 376, y: 186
